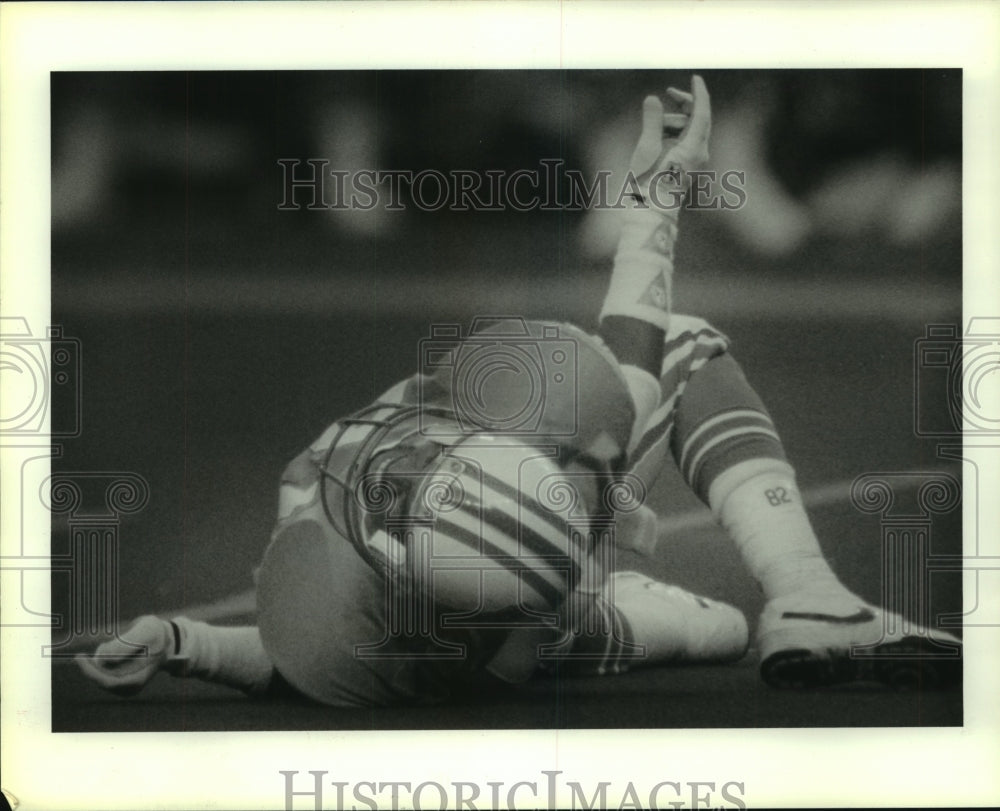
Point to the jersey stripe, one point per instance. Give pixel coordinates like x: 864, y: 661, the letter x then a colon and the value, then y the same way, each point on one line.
x: 661, y: 422
x: 677, y: 362
x: 689, y: 346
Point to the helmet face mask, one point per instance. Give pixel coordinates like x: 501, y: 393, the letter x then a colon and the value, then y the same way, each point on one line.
x: 369, y: 468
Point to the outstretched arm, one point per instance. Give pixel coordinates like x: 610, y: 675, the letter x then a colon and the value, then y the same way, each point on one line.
x: 231, y: 656
x: 671, y: 144
x: 636, y: 311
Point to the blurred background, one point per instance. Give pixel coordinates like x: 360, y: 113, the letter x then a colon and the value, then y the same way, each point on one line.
x: 220, y: 334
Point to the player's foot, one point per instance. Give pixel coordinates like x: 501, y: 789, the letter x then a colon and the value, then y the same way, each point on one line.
x: 811, y: 639
x: 675, y: 625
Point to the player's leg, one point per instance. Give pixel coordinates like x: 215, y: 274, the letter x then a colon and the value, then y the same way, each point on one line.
x: 634, y: 612
x: 723, y: 441
x: 636, y: 621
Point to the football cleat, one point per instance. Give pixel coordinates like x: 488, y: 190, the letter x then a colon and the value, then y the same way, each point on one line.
x: 810, y: 639
x: 674, y: 625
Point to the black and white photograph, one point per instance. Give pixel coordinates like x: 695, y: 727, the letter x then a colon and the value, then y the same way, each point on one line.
x: 634, y: 415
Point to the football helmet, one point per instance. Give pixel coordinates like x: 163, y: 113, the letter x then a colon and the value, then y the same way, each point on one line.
x: 484, y: 511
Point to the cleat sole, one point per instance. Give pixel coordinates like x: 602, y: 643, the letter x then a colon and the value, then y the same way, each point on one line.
x: 911, y: 663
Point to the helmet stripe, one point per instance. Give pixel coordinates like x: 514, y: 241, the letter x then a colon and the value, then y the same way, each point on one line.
x: 551, y: 594
x: 523, y: 500
x: 532, y: 541
x: 531, y: 515
x: 549, y: 566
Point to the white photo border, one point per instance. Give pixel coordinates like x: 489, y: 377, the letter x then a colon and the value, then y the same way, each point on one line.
x: 807, y: 767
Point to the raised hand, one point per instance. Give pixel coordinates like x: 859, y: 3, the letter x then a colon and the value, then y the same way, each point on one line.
x: 126, y: 667
x: 673, y: 141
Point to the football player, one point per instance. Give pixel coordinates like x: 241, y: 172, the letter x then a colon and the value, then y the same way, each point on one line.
x: 461, y: 530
